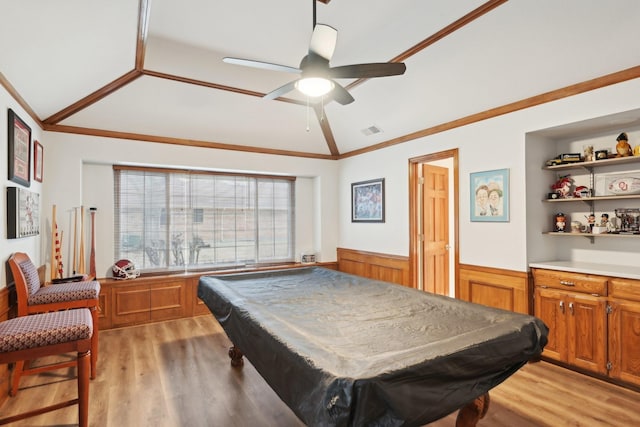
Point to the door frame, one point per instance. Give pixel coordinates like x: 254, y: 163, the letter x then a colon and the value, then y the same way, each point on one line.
x: 414, y: 211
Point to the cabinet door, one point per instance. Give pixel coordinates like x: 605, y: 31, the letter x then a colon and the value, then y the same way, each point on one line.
x: 624, y: 341
x: 587, y: 337
x: 550, y: 307
x: 130, y: 305
x: 168, y: 300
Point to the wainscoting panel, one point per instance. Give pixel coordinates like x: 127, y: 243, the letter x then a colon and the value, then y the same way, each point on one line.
x: 389, y: 268
x: 506, y: 289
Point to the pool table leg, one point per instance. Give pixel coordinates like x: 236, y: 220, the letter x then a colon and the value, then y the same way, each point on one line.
x: 236, y: 356
x: 469, y: 415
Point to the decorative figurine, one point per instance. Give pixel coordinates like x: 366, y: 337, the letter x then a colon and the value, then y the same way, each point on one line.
x: 604, y: 222
x: 563, y: 186
x: 591, y: 221
x: 588, y: 153
x: 561, y: 222
x: 581, y: 191
x: 623, y: 148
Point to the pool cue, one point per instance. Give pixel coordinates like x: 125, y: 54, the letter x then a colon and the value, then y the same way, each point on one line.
x: 54, y: 267
x: 59, y: 256
x: 81, y: 266
x: 92, y: 256
x: 75, y: 239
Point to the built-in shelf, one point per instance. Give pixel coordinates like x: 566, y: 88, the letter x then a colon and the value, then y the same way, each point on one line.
x: 592, y: 199
x: 589, y: 165
x: 590, y: 235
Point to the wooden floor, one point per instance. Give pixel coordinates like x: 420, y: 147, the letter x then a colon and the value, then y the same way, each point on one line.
x: 177, y: 373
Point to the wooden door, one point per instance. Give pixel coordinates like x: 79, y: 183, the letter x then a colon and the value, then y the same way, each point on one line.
x: 435, y: 223
x: 550, y: 307
x: 587, y: 338
x: 624, y: 340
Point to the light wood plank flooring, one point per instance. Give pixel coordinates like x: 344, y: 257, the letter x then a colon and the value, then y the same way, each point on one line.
x: 177, y: 373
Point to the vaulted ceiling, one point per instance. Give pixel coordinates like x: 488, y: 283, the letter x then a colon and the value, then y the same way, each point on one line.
x: 153, y: 70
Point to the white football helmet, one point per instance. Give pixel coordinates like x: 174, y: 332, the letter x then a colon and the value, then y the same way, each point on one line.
x: 124, y: 269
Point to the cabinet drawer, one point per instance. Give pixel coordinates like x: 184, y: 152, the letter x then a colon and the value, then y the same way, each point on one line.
x: 576, y: 282
x: 625, y: 288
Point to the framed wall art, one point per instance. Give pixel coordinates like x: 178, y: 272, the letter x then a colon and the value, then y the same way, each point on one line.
x: 490, y: 196
x: 23, y: 213
x: 367, y: 201
x: 19, y: 150
x: 38, y: 158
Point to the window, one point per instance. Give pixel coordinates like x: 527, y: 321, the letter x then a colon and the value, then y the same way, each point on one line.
x: 187, y: 220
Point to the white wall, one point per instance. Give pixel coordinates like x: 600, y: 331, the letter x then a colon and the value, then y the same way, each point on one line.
x: 30, y: 245
x: 496, y: 143
x: 78, y: 172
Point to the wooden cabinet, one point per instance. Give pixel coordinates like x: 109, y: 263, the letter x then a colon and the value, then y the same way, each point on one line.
x: 104, y: 305
x: 147, y: 300
x: 594, y: 321
x: 577, y: 327
x: 624, y: 330
x: 574, y: 307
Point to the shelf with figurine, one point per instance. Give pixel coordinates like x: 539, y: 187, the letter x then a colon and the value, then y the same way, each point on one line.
x: 625, y: 223
x: 601, y: 186
x: 552, y: 199
x: 623, y: 154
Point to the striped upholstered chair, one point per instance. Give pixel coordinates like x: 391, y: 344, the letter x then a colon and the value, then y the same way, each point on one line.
x: 35, y: 298
x: 47, y: 334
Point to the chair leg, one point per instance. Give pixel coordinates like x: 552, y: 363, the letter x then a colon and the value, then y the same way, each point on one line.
x: 83, y: 388
x: 94, y: 343
x: 18, y: 367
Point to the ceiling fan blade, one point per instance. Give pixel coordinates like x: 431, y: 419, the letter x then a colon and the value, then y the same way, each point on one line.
x: 281, y: 90
x: 323, y: 41
x: 365, y: 71
x: 340, y: 95
x: 260, y: 64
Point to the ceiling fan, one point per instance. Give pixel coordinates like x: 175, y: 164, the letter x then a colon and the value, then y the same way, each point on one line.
x: 316, y: 75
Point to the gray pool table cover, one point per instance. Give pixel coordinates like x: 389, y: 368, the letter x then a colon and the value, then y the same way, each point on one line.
x: 343, y: 350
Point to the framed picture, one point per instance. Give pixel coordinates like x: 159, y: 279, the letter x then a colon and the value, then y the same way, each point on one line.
x: 19, y: 150
x: 490, y: 196
x: 617, y: 183
x: 367, y: 201
x: 23, y: 213
x: 38, y: 157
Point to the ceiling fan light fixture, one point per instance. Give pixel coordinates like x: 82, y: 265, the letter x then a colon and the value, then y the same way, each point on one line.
x: 314, y: 86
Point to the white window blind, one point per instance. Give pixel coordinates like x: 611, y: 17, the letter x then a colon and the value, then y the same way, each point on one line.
x: 189, y: 220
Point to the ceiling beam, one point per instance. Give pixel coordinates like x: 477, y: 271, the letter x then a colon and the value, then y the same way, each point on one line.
x: 15, y: 95
x: 326, y: 129
x: 94, y: 97
x: 554, y: 95
x: 144, y: 11
x: 181, y: 141
x: 191, y: 81
x: 449, y: 29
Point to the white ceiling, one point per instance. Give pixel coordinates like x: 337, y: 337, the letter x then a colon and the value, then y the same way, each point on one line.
x: 56, y: 54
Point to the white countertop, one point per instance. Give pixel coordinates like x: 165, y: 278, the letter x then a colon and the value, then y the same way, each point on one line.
x: 623, y: 271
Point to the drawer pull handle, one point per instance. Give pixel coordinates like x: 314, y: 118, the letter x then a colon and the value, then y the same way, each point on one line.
x: 567, y: 283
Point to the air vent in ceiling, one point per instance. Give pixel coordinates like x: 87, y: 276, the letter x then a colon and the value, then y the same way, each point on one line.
x: 371, y: 130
